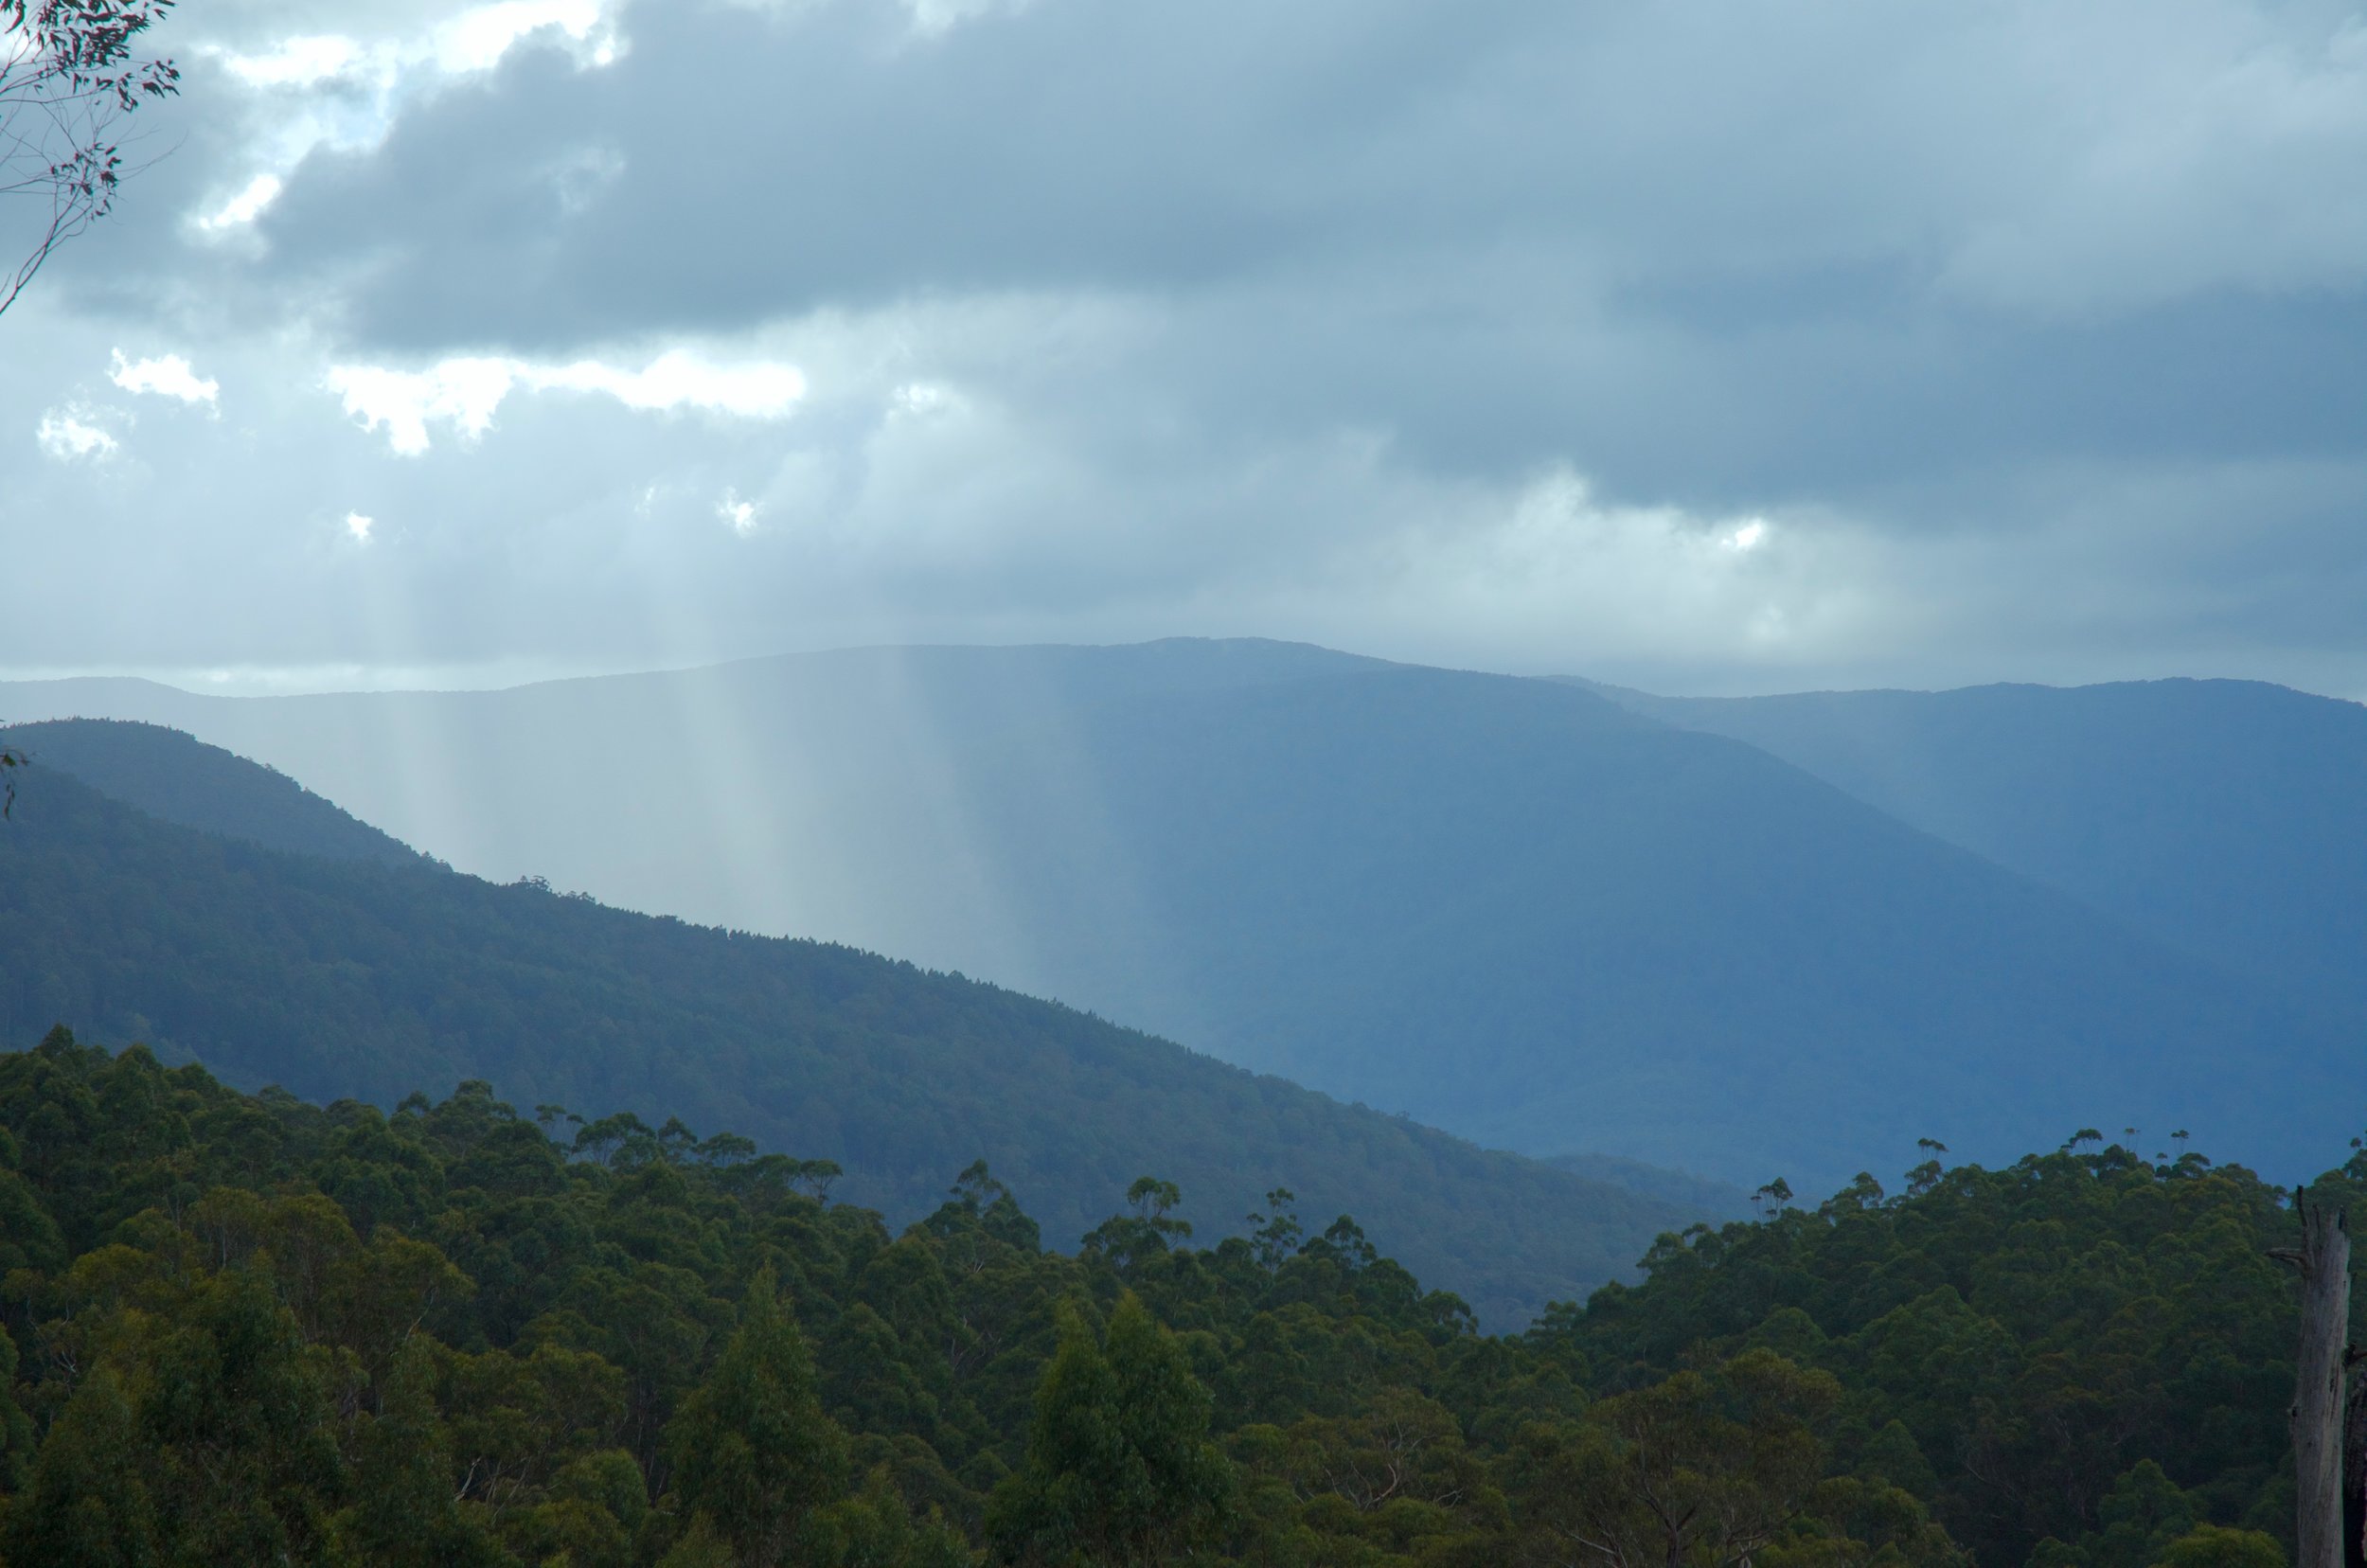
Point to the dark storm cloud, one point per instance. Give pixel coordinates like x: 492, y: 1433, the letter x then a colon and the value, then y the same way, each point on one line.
x: 1690, y: 344
x: 773, y: 164
x: 1503, y: 233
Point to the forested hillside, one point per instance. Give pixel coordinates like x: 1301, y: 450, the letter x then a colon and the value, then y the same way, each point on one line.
x: 354, y: 978
x: 1505, y: 907
x: 243, y: 1328
x: 176, y: 778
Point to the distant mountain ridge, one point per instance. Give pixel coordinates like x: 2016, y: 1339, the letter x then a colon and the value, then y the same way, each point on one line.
x: 358, y: 978
x: 2228, y: 818
x: 1512, y: 908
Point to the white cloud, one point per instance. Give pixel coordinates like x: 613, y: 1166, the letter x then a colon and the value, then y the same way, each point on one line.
x: 922, y: 398
x: 244, y: 206
x: 1555, y: 566
x: 931, y: 18
x: 165, y: 376
x: 359, y: 527
x: 479, y: 38
x: 75, y: 434
x: 304, y: 61
x: 466, y: 392
x: 740, y: 514
x: 679, y: 380
x: 469, y: 41
x: 461, y: 392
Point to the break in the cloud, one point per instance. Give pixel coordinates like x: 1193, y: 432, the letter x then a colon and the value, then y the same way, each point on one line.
x: 308, y: 91
x: 1707, y: 344
x: 466, y: 392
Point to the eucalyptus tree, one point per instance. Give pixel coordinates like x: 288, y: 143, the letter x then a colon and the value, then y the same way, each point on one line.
x: 71, y: 71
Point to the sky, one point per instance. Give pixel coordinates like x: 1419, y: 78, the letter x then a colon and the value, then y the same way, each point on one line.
x: 1706, y: 347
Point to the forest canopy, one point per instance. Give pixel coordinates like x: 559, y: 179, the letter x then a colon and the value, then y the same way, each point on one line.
x: 244, y: 1328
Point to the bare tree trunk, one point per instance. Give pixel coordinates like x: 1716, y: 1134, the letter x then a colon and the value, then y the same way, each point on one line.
x: 2318, y: 1413
x: 2355, y: 1473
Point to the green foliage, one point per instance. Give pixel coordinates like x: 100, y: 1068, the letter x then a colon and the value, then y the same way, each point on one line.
x: 88, y: 1503
x: 404, y: 1514
x: 754, y: 1453
x: 236, y: 1408
x: 16, y: 1427
x: 245, y: 1330
x: 2213, y: 1546
x: 875, y: 1529
x: 2088, y: 1350
x: 1119, y: 1469
x: 1709, y: 1467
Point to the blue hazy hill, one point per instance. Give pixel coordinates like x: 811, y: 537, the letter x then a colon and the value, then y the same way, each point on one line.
x: 1521, y: 912
x: 1510, y: 908
x: 2226, y: 817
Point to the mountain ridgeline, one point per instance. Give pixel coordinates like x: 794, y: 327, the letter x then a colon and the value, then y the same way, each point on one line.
x: 358, y: 978
x: 1515, y: 909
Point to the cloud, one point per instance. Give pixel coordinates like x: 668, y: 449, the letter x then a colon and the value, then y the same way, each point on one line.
x: 302, y: 62
x: 452, y: 40
x: 480, y: 37
x: 740, y: 515
x: 1554, y: 564
x: 345, y: 91
x: 243, y: 206
x: 2221, y: 164
x: 461, y: 392
x: 466, y: 392
x: 77, y: 434
x: 165, y: 376
x: 931, y: 18
x: 2005, y: 159
x: 1691, y: 344
x: 358, y: 526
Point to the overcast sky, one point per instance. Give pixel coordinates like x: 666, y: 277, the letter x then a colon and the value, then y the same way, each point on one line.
x: 1708, y: 345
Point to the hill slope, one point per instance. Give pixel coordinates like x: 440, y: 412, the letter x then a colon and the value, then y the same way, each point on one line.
x: 2228, y: 817
x: 1529, y: 918
x: 179, y: 778
x: 1510, y: 908
x: 366, y: 980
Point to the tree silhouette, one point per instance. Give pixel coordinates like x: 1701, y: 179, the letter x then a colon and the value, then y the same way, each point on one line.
x: 70, y: 71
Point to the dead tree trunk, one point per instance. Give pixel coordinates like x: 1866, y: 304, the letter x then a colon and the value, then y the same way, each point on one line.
x: 2318, y: 1415
x: 2355, y: 1471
